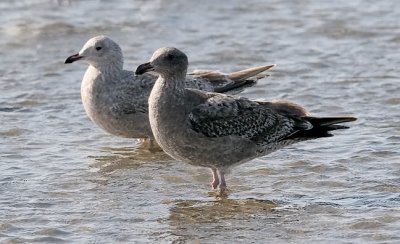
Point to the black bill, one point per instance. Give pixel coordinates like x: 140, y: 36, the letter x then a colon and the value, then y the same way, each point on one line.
x: 73, y: 58
x: 143, y: 68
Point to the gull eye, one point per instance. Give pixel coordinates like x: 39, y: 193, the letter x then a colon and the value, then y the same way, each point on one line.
x: 170, y: 56
x: 98, y: 48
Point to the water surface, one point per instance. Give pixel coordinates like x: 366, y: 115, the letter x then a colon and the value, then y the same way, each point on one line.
x: 64, y: 180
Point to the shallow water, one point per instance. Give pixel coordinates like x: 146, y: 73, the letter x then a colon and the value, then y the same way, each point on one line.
x: 64, y: 180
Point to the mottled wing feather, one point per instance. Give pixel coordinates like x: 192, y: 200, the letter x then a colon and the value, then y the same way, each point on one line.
x: 218, y: 82
x: 224, y: 116
x: 205, y: 84
x: 132, y: 94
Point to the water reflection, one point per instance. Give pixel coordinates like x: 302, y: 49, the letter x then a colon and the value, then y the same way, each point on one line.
x: 333, y: 58
x: 196, y: 219
x: 125, y: 158
x: 195, y: 211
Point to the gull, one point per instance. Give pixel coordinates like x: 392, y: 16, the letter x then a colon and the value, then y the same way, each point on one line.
x: 117, y: 100
x: 220, y: 131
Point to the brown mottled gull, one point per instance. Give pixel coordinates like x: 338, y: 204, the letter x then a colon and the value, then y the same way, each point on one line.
x: 117, y: 100
x: 220, y: 131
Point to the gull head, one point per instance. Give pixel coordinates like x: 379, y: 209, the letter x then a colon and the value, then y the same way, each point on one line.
x: 98, y: 51
x: 166, y: 61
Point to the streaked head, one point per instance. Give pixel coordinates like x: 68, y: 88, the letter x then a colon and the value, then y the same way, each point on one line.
x: 166, y: 61
x: 98, y: 51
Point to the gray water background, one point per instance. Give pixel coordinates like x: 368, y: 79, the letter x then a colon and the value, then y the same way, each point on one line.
x: 62, y: 179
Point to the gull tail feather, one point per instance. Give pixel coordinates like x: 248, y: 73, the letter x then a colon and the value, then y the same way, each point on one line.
x: 322, y: 127
x: 328, y: 121
x: 249, y: 73
x: 244, y: 78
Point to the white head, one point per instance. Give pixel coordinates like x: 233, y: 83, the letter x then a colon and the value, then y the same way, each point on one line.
x: 99, y: 51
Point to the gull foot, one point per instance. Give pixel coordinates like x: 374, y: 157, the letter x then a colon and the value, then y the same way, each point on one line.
x: 215, y: 183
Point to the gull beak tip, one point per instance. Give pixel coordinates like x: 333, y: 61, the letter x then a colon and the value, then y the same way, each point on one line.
x: 72, y: 58
x: 144, y: 68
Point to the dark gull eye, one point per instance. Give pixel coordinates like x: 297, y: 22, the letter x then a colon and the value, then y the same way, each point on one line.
x: 98, y: 48
x: 170, y: 56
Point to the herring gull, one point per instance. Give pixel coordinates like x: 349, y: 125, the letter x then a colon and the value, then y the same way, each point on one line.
x: 117, y: 100
x: 219, y: 131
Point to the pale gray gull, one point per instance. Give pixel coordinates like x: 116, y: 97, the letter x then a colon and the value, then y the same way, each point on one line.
x: 219, y: 131
x: 117, y: 100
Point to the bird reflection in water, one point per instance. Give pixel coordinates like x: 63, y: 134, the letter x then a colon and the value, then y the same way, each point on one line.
x: 196, y: 219
x: 124, y: 158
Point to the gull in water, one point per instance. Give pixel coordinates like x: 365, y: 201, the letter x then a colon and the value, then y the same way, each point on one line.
x: 219, y: 131
x: 117, y: 100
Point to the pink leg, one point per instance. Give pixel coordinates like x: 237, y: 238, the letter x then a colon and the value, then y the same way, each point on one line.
x: 215, y: 181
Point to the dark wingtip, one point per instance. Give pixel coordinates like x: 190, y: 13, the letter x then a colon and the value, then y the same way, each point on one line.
x: 235, y: 88
x: 326, y: 121
x: 143, y: 68
x: 322, y: 127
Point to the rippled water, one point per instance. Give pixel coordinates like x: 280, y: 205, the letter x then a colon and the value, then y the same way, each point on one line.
x: 64, y: 180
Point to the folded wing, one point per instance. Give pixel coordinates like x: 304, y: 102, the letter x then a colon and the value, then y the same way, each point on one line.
x: 223, y: 115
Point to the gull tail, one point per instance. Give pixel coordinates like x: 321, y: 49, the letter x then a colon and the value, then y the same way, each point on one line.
x: 236, y: 81
x: 321, y: 127
x: 253, y: 73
